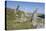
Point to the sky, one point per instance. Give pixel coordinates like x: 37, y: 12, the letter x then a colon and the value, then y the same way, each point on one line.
x: 27, y: 6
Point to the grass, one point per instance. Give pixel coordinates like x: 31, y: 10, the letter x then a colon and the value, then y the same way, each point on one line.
x: 12, y: 24
x: 23, y: 26
x: 15, y: 25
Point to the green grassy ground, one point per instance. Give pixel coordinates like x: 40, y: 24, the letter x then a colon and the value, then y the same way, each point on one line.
x: 12, y: 24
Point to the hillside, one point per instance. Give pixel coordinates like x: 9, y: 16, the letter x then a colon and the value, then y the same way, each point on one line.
x: 21, y: 20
